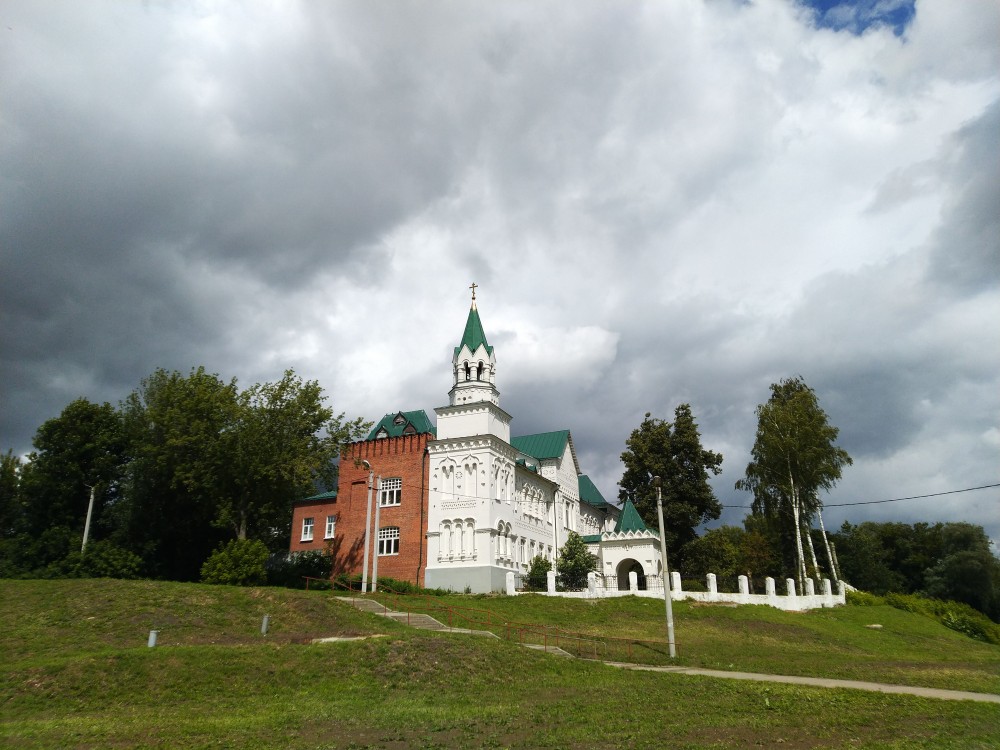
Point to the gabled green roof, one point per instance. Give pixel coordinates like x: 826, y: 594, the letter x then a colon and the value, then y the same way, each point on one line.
x: 474, y: 335
x: 331, y: 495
x: 630, y: 520
x: 590, y: 494
x: 544, y: 445
x: 591, y: 539
x: 403, y: 423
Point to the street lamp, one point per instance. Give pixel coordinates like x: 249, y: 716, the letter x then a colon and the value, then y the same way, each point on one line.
x: 666, y: 569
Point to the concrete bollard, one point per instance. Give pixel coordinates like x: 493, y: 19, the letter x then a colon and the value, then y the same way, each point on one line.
x: 769, y: 586
x: 152, y: 638
x: 633, y: 581
x: 827, y: 588
x: 790, y: 586
x: 810, y: 587
x: 264, y: 624
x: 710, y: 582
x: 510, y: 583
x: 675, y: 580
x: 551, y: 576
x: 744, y: 585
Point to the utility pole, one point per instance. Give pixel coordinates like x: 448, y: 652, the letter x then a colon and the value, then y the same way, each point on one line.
x: 90, y: 512
x: 378, y: 507
x: 666, y: 569
x: 368, y: 528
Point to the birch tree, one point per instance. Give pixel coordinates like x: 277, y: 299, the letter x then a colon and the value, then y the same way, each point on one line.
x: 793, y: 458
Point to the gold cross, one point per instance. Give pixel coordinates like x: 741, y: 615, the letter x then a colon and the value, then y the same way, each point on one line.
x: 473, y: 288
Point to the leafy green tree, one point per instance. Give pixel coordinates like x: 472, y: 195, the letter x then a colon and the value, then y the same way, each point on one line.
x: 729, y: 552
x: 575, y: 561
x: 240, y: 562
x: 174, y: 425
x: 283, y: 442
x: 537, y: 577
x: 971, y: 576
x: 793, y: 458
x: 81, y: 448
x: 10, y: 502
x: 672, y: 451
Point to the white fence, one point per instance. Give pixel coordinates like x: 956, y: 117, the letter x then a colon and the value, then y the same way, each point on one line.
x: 605, y: 587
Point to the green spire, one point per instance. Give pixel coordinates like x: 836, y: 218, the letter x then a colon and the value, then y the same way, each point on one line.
x: 630, y: 520
x: 474, y: 335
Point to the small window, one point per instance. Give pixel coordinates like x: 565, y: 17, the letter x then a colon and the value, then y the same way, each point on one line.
x: 391, y: 492
x: 479, y: 372
x: 388, y: 541
x: 468, y: 372
x: 307, y: 529
x: 331, y: 527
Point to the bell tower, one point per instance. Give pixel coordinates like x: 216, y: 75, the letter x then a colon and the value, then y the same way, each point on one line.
x: 473, y: 364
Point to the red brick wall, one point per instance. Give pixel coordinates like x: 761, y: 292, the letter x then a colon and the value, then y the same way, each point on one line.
x: 404, y: 457
x: 318, y: 511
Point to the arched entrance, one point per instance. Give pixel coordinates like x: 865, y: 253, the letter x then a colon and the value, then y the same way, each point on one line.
x: 627, y: 566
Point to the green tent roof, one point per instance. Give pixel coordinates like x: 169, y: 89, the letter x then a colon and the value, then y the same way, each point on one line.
x: 630, y: 520
x: 543, y: 445
x: 403, y: 423
x: 590, y: 494
x: 474, y: 335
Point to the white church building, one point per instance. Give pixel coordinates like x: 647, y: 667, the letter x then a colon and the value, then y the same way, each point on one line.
x: 495, y: 501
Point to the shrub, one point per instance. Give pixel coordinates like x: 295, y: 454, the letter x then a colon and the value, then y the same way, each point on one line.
x: 106, y: 560
x: 538, y: 579
x: 864, y: 599
x: 240, y: 562
x: 291, y: 570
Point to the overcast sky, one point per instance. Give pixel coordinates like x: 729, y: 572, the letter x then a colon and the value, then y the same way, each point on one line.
x: 661, y: 202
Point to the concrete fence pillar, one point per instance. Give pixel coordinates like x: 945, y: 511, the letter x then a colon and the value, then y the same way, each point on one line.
x: 810, y: 587
x: 633, y: 581
x: 551, y: 576
x: 744, y: 585
x: 827, y: 588
x: 710, y: 582
x: 592, y: 583
x: 790, y: 586
x: 510, y: 583
x: 769, y: 586
x: 675, y: 580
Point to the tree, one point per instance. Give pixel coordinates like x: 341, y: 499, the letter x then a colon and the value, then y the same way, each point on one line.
x: 283, y: 441
x: 173, y: 423
x: 575, y: 562
x: 675, y: 454
x: 81, y: 448
x: 793, y: 458
x: 537, y: 577
x: 10, y: 503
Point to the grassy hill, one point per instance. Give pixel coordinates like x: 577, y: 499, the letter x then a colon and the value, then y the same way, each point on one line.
x: 76, y: 673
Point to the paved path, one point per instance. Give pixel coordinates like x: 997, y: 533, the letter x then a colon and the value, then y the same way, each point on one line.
x: 877, y: 687
x: 427, y: 622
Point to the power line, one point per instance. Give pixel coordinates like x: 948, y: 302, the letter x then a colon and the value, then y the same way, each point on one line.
x: 893, y: 500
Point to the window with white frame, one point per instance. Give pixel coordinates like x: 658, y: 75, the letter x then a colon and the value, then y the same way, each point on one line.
x: 331, y: 527
x: 307, y: 529
x: 388, y: 541
x: 391, y: 492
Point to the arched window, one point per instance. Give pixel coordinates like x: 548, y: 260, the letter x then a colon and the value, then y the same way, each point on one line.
x: 445, y: 538
x: 468, y: 372
x: 479, y: 371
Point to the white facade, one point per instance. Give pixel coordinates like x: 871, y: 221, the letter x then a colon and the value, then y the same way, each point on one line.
x: 491, y: 507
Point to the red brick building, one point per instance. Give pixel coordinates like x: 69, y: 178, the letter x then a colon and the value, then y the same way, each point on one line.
x: 396, y: 451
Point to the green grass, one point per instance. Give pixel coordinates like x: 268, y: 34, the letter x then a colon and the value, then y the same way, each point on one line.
x: 77, y: 674
x: 909, y: 649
